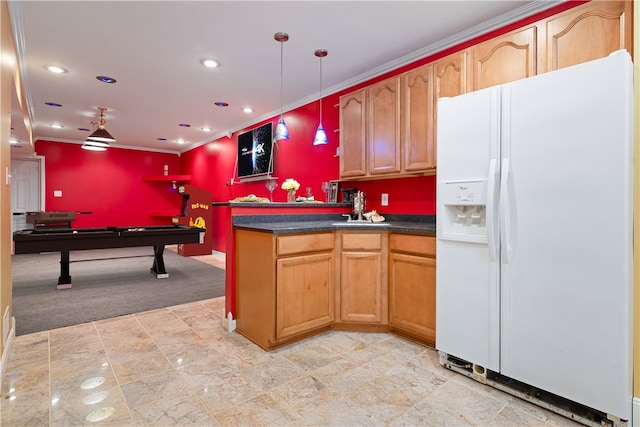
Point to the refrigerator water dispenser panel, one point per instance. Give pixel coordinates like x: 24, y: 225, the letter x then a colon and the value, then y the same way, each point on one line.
x: 465, y: 210
x: 464, y: 193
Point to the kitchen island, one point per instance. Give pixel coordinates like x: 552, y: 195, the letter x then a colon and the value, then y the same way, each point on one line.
x: 298, y: 275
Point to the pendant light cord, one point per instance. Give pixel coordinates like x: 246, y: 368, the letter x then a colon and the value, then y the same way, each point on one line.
x: 281, y: 78
x: 321, y: 90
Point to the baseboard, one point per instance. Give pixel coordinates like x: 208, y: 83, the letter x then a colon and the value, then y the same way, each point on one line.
x: 635, y: 417
x: 7, y: 349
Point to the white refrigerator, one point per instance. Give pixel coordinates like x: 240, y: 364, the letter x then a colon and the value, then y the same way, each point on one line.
x: 534, y: 231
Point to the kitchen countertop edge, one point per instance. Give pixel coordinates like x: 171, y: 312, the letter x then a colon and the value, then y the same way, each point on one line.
x: 291, y: 227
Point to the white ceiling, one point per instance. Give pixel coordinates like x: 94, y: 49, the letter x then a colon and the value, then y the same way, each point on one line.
x: 154, y: 48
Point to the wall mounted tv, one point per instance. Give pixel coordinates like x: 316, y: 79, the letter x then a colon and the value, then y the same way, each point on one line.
x: 255, y: 151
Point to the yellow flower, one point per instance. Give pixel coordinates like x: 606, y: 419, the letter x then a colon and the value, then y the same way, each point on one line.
x: 290, y: 184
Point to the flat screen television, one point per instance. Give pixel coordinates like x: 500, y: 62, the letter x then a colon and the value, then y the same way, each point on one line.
x: 254, y: 152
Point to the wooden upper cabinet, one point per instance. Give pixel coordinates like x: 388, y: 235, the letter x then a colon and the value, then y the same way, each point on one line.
x: 418, y: 138
x: 383, y: 121
x: 389, y: 129
x: 450, y: 75
x: 353, y: 134
x: 588, y: 32
x: 505, y: 59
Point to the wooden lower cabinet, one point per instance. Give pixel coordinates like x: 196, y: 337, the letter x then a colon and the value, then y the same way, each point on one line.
x: 304, y: 293
x: 284, y: 286
x: 289, y: 287
x: 412, y: 286
x: 363, y: 277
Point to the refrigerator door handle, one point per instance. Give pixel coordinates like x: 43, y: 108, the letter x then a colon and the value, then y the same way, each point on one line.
x: 492, y: 218
x: 507, y: 211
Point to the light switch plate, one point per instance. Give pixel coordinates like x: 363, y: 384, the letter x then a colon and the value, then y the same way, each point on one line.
x: 384, y: 199
x: 57, y: 193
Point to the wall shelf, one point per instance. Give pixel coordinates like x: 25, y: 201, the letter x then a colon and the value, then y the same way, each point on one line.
x: 167, y: 178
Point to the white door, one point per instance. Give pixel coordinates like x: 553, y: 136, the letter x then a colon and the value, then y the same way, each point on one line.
x: 25, y: 190
x: 567, y: 248
x: 467, y: 269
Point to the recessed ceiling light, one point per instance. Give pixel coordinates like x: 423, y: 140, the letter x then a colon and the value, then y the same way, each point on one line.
x: 13, y: 141
x: 247, y: 110
x: 184, y: 125
x: 56, y: 69
x: 210, y: 63
x: 221, y: 104
x: 206, y: 129
x: 53, y: 104
x: 180, y: 141
x: 106, y: 79
x: 56, y: 125
x: 84, y: 129
x: 161, y: 139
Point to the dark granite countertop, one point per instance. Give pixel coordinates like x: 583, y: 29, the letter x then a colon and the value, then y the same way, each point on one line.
x: 289, y: 224
x: 282, y: 204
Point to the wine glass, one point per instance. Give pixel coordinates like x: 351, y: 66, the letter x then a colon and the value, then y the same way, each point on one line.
x: 325, y: 189
x: 271, y: 185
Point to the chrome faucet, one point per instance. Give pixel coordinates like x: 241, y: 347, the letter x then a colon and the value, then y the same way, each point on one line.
x: 359, y: 205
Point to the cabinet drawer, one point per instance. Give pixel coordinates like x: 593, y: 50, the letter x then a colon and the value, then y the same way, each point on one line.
x: 361, y: 241
x: 423, y: 245
x: 288, y: 245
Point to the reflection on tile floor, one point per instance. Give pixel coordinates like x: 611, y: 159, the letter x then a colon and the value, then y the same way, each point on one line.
x: 177, y: 366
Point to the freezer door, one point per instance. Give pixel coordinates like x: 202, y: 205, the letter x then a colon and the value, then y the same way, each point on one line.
x: 467, y: 270
x: 567, y: 233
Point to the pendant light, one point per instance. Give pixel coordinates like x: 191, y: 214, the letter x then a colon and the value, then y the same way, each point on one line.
x: 281, y: 127
x: 91, y: 145
x: 100, y: 138
x: 321, y: 135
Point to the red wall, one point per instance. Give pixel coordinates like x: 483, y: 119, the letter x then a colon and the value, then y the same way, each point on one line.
x: 108, y: 183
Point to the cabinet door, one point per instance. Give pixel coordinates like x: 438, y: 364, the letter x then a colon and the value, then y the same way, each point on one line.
x: 505, y: 59
x: 450, y: 78
x: 361, y: 288
x: 450, y: 75
x: 305, y: 293
x: 383, y: 127
x: 412, y: 295
x: 417, y: 119
x: 589, y: 32
x: 353, y: 134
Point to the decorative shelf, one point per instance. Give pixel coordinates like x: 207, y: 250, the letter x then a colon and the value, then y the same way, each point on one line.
x: 167, y: 178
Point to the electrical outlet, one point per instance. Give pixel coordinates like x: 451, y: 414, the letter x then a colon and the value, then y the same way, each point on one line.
x: 384, y: 199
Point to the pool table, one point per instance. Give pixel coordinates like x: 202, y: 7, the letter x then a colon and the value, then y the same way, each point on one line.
x: 64, y: 240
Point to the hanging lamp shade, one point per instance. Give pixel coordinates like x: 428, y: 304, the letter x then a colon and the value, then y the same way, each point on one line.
x: 281, y: 128
x: 321, y: 135
x: 100, y: 137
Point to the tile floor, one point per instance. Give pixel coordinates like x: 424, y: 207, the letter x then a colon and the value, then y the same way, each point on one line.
x: 177, y: 367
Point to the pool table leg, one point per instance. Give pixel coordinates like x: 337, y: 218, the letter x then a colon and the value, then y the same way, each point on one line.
x: 158, y: 263
x: 64, y: 281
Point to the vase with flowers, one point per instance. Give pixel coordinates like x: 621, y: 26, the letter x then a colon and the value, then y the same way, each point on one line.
x: 290, y: 185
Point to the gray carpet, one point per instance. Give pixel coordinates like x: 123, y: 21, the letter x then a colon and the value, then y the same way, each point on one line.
x: 106, y: 283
